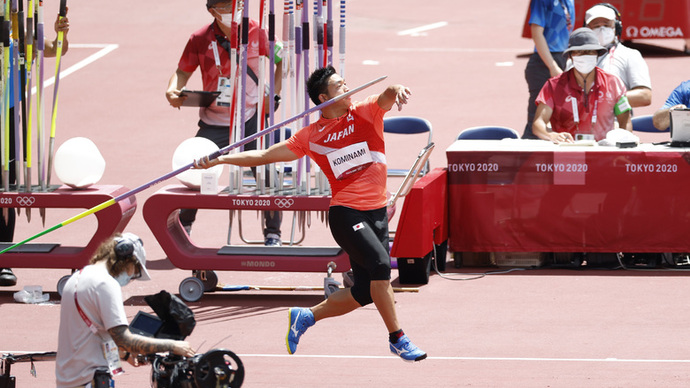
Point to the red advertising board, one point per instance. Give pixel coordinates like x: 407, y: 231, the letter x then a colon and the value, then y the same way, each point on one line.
x: 642, y: 19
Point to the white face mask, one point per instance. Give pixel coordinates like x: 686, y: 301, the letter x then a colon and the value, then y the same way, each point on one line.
x: 584, y: 63
x: 226, y: 19
x: 123, y: 278
x: 605, y: 35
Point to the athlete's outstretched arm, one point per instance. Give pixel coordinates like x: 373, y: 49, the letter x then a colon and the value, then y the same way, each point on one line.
x: 276, y: 153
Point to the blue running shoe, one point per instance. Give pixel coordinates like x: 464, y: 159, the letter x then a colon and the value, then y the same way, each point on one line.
x: 300, y: 320
x: 407, y: 350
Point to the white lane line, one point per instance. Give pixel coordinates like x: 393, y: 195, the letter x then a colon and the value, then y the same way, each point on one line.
x: 456, y: 50
x: 104, y: 50
x: 415, y: 31
x: 345, y: 356
x: 530, y: 359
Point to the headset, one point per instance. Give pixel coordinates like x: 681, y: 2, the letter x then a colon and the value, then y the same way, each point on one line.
x: 124, y: 248
x: 125, y: 245
x: 618, y: 23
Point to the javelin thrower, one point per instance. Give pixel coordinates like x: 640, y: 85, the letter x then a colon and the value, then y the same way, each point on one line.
x: 347, y: 143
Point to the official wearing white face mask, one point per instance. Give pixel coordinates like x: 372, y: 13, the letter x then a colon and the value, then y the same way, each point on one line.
x: 620, y: 60
x: 583, y: 100
x: 584, y: 52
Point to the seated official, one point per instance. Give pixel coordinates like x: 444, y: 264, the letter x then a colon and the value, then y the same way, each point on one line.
x: 679, y: 99
x: 584, y: 99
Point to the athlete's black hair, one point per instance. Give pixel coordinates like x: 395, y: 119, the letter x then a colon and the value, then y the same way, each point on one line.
x: 317, y: 83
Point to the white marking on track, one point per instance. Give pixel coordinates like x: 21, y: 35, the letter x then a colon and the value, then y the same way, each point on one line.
x: 451, y: 358
x: 456, y: 50
x: 418, y: 30
x: 440, y: 358
x: 104, y: 50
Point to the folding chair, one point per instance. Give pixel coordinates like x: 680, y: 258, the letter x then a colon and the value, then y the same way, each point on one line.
x: 488, y: 132
x: 407, y: 125
x: 410, y: 178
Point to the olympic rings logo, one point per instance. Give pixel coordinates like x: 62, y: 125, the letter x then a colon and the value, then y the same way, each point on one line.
x: 25, y: 201
x: 284, y: 203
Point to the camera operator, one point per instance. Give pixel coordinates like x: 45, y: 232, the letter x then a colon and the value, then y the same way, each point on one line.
x: 94, y: 335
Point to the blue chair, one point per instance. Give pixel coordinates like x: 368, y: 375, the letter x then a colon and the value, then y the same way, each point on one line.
x: 489, y: 132
x: 407, y: 125
x: 645, y: 124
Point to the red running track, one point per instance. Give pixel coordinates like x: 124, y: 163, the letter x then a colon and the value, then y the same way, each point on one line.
x: 538, y: 328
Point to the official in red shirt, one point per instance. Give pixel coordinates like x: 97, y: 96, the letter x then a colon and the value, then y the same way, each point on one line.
x: 583, y: 100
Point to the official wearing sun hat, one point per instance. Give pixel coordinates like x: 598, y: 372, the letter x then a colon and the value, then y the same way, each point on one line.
x: 627, y: 63
x: 584, y: 99
x: 94, y: 334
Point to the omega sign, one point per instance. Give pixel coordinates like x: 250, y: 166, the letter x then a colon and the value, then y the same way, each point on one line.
x: 634, y: 32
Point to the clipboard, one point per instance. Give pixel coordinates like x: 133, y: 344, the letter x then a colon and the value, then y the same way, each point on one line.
x: 199, y: 98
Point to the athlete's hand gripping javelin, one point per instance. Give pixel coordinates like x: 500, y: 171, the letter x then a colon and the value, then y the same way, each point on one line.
x: 402, y: 94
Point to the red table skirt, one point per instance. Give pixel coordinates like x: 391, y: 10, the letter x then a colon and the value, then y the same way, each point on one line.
x: 569, y: 201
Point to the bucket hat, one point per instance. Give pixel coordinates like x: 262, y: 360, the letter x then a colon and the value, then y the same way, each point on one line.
x: 584, y: 39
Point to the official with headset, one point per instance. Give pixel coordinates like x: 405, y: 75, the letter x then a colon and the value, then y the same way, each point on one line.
x: 624, y: 62
x: 94, y: 335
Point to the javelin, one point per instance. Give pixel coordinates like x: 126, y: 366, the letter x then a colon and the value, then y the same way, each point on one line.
x: 29, y: 138
x: 58, y: 56
x: 213, y: 155
x: 293, y: 288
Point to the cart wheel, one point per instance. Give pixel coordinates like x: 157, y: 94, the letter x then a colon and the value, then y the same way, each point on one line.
x: 61, y: 283
x: 191, y: 289
x: 208, y: 278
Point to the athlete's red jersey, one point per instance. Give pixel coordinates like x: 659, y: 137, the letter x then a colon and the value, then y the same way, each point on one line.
x: 352, y: 148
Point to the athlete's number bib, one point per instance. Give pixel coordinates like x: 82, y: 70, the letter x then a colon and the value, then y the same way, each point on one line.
x: 348, y: 160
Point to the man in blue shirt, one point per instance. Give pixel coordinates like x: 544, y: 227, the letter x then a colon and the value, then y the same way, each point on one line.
x: 679, y: 99
x: 551, y: 22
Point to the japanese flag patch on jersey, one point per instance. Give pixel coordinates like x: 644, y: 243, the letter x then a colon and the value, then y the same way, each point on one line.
x: 358, y: 226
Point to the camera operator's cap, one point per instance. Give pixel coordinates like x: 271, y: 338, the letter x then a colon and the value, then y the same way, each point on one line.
x: 584, y: 39
x: 599, y: 11
x: 139, y: 253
